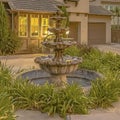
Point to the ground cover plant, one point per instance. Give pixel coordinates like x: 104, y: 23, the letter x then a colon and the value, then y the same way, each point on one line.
x: 106, y: 90
x: 21, y: 94
x: 6, y: 104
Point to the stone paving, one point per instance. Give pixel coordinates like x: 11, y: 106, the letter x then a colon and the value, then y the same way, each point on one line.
x: 98, y: 114
x: 26, y: 62
x: 114, y: 48
x: 35, y: 115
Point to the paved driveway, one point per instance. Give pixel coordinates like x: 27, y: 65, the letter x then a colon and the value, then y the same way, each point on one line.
x: 20, y: 62
x: 114, y: 48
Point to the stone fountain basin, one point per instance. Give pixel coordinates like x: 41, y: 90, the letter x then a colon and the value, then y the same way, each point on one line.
x: 81, y: 76
x: 59, y: 45
x: 56, y: 30
x: 67, y: 65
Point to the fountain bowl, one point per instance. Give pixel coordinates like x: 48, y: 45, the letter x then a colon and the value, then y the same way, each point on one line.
x: 82, y: 77
x: 67, y: 65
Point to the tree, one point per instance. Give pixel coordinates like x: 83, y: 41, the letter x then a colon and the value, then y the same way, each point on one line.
x: 9, y: 41
x: 4, y: 32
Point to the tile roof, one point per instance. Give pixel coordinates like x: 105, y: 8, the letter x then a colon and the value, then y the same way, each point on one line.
x: 34, y: 5
x: 74, y: 0
x: 99, y: 10
x: 110, y: 1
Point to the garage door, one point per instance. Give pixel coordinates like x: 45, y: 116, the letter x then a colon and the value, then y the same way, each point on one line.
x: 73, y: 27
x: 97, y: 33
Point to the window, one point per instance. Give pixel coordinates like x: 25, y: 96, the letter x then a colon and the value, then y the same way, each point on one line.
x: 34, y: 25
x: 108, y: 7
x: 23, y: 25
x: 45, y: 25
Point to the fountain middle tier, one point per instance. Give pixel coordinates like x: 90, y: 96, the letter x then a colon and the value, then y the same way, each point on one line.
x: 59, y: 45
x: 67, y: 65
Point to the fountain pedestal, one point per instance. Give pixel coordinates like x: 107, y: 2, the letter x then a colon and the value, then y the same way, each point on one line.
x: 59, y: 80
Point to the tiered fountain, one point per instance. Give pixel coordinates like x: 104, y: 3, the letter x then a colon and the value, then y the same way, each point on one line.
x: 58, y: 65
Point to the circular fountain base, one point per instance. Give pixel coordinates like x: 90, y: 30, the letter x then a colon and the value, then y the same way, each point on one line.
x: 81, y: 77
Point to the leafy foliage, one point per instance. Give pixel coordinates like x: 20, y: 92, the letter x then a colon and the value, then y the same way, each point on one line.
x: 12, y: 44
x: 70, y: 100
x: 105, y: 91
x: 6, y: 107
x: 9, y: 41
x: 72, y: 51
x: 48, y: 98
x: 3, y: 26
x: 73, y: 100
x: 65, y: 14
x: 24, y: 94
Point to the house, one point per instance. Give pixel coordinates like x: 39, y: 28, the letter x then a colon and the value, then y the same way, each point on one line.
x: 110, y: 5
x: 89, y: 24
x: 30, y: 19
x: 114, y: 6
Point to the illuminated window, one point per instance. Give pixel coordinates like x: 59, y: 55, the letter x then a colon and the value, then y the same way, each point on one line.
x: 45, y: 24
x: 34, y: 25
x: 23, y: 25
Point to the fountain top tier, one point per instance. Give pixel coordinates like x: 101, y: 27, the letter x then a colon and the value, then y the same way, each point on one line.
x: 58, y: 65
x: 58, y: 43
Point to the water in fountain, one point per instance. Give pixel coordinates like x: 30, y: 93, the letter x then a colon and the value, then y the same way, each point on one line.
x: 58, y: 65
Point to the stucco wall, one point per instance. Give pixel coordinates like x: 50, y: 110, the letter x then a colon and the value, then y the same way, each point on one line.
x: 104, y: 19
x: 83, y: 32
x: 82, y: 7
x: 79, y: 14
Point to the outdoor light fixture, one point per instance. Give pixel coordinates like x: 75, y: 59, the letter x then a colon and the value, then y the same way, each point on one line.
x: 67, y: 32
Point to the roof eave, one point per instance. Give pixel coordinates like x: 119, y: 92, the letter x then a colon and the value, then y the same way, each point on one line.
x: 32, y: 11
x: 100, y: 14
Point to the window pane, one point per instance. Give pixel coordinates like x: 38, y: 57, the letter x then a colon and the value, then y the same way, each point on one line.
x: 34, y: 24
x: 23, y: 25
x: 45, y: 24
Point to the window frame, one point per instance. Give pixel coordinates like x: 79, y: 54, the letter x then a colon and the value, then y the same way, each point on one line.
x: 38, y: 26
x: 26, y: 24
x: 44, y: 17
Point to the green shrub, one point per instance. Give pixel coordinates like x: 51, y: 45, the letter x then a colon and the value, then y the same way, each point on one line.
x: 73, y: 100
x: 85, y: 49
x: 5, y: 76
x: 79, y: 50
x: 6, y: 107
x: 25, y: 95
x: 12, y: 44
x: 105, y: 91
x: 9, y: 41
x: 49, y: 99
x: 99, y: 61
x: 91, y: 60
x: 72, y: 51
x: 3, y: 26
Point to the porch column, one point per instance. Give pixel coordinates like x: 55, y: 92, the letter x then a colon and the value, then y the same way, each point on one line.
x: 84, y: 30
x: 108, y: 32
x: 79, y: 32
